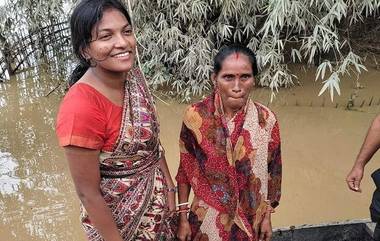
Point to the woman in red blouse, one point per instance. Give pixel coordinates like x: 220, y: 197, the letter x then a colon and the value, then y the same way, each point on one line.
x: 108, y: 128
x: 230, y: 156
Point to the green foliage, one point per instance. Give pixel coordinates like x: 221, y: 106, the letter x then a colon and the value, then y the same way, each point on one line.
x: 25, y: 16
x: 178, y: 39
x: 26, y: 35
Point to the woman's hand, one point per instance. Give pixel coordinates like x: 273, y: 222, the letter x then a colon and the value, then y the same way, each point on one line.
x: 169, y: 183
x: 184, y: 230
x: 266, y: 229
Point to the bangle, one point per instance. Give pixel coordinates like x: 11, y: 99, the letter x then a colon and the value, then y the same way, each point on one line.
x: 182, y: 204
x: 183, y: 211
x: 183, y: 208
x: 172, y: 189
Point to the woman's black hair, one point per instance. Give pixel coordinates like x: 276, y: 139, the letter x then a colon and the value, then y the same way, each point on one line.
x: 85, y: 16
x: 226, y: 51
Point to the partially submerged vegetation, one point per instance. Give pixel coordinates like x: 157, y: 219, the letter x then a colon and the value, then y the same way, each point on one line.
x: 179, y: 38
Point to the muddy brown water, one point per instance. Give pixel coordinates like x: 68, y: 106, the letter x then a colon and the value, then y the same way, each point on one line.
x: 320, y: 141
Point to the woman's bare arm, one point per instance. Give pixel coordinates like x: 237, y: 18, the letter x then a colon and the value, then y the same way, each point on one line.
x: 169, y: 181
x: 184, y: 230
x: 84, y: 169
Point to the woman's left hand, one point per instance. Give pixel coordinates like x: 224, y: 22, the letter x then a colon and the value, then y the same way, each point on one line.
x: 266, y: 229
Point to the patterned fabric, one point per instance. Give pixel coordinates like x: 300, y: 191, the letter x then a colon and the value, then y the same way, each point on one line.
x: 132, y: 184
x: 234, y: 168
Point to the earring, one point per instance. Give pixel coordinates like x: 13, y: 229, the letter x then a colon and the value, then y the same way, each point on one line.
x: 91, y: 62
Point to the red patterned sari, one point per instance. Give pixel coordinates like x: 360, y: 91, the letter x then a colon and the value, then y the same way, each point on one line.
x: 132, y: 182
x: 234, y: 168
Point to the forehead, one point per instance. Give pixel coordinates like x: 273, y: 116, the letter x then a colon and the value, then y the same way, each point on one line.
x: 235, y: 63
x: 111, y: 19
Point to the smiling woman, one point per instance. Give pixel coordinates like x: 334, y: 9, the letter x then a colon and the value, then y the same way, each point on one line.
x: 108, y: 128
x: 113, y: 45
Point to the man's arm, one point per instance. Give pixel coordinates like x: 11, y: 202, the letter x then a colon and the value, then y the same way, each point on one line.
x: 370, y: 145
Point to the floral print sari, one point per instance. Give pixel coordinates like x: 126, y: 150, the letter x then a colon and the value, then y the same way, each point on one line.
x: 233, y: 166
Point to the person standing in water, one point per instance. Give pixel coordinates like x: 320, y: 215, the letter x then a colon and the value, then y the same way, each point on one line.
x: 369, y: 147
x: 108, y: 128
x: 230, y: 156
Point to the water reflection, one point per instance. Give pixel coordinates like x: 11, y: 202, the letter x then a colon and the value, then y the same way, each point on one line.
x: 36, y: 192
x: 9, y: 182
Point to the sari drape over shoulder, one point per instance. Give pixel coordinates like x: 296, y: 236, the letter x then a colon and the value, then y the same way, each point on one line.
x: 132, y: 182
x: 234, y: 168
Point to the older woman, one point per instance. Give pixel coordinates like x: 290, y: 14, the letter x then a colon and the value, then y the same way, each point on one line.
x: 230, y: 157
x: 108, y: 128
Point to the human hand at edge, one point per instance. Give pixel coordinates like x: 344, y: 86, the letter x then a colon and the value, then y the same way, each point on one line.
x: 354, y: 178
x: 265, y: 229
x: 184, y: 230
